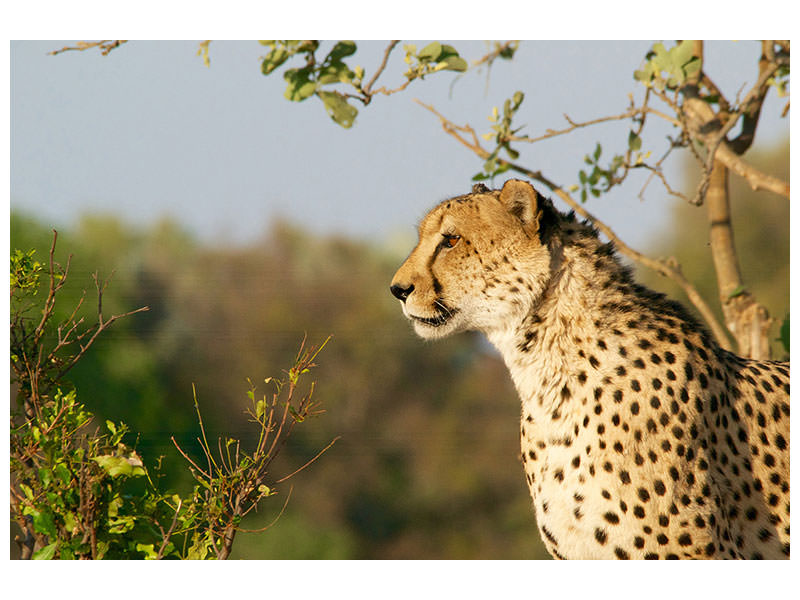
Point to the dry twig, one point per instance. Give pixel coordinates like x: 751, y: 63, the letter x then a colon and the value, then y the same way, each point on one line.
x: 105, y: 47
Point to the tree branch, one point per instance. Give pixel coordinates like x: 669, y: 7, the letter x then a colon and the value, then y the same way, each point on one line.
x: 748, y: 321
x: 105, y: 46
x: 368, y: 89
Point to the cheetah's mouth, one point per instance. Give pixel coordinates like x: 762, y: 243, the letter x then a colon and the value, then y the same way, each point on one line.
x: 444, y: 315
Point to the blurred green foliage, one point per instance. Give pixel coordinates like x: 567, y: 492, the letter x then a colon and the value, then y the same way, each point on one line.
x: 77, y: 493
x: 427, y: 465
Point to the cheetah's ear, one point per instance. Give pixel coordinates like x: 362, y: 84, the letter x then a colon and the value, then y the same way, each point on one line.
x: 520, y: 199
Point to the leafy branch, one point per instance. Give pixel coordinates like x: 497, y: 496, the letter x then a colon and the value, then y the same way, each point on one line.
x: 233, y: 482
x: 83, y: 494
x: 38, y: 366
x: 318, y: 77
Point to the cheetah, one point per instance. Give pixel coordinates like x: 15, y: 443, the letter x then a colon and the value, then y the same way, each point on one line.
x: 641, y: 437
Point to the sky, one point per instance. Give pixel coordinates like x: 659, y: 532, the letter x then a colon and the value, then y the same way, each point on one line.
x: 149, y: 132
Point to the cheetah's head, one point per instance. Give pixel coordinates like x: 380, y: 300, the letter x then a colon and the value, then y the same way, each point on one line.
x: 479, y: 264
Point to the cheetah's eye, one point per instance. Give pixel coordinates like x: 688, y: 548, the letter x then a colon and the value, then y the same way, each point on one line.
x: 449, y: 240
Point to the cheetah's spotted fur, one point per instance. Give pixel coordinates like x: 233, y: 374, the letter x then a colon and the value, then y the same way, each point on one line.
x: 641, y: 437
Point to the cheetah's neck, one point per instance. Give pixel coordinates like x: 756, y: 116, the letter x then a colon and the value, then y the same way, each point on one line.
x: 589, y: 300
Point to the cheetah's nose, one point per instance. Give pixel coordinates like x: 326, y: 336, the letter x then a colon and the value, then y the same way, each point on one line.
x: 400, y: 292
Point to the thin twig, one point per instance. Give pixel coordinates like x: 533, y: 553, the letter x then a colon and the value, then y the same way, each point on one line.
x: 320, y: 453
x: 169, y: 531
x: 494, y: 54
x: 105, y: 46
x: 188, y: 459
x: 367, y: 90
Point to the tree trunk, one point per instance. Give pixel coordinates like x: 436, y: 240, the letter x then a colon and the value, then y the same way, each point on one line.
x: 747, y: 320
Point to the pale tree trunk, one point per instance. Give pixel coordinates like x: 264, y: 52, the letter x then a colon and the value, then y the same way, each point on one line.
x: 747, y: 320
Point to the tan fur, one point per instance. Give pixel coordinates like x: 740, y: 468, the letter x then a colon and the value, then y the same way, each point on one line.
x: 640, y: 436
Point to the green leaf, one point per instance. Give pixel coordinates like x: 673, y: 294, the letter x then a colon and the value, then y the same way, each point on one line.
x: 507, y: 52
x: 149, y: 550
x: 737, y: 292
x: 121, y: 524
x: 261, y: 407
x: 447, y: 50
x: 430, y: 52
x: 46, y: 553
x: 784, y: 334
x: 45, y: 476
x: 597, y: 151
x: 338, y: 108
x: 116, y: 466
x: 634, y: 142
x: 274, y: 59
x: 682, y: 53
x: 454, y: 63
x: 62, y: 473
x: 693, y: 66
x: 340, y: 50
x: 645, y: 74
x: 300, y: 84
x: 44, y: 522
x: 335, y: 73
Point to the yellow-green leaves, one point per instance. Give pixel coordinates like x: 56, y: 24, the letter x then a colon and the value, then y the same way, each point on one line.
x: 46, y: 553
x: 669, y: 68
x: 128, y: 466
x: 503, y: 135
x: 338, y: 108
x: 432, y: 58
x: 336, y: 84
x: 25, y: 272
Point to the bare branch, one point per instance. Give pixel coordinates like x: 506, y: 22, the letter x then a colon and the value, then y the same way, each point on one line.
x: 188, y: 459
x: 320, y: 453
x: 100, y: 328
x: 105, y: 46
x: 704, y: 125
x: 368, y: 89
x: 494, y: 54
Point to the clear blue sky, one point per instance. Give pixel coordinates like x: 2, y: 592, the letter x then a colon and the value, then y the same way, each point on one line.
x: 149, y: 131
